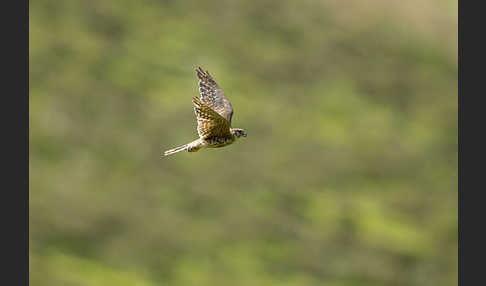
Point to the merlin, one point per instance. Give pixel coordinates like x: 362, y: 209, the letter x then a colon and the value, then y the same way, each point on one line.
x: 213, y: 112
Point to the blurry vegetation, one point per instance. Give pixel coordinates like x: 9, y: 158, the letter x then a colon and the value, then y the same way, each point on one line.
x: 348, y: 176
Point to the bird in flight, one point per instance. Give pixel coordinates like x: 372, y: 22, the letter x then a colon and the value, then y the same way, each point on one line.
x: 213, y: 112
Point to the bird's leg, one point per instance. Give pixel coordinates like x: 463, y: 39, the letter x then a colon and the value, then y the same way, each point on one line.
x: 195, y: 145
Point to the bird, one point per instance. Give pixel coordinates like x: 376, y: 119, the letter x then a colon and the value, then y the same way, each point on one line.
x: 213, y: 113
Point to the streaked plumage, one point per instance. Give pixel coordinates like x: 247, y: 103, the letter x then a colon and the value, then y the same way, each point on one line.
x: 214, y: 113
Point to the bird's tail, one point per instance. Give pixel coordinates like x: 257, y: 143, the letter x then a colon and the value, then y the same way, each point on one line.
x: 175, y: 150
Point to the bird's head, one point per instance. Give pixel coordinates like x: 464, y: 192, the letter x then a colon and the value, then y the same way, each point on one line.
x: 238, y: 132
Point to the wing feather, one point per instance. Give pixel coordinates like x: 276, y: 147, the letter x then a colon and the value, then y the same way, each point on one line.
x: 209, y: 122
x: 212, y: 95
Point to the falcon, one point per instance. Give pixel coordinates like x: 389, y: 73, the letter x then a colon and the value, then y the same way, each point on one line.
x: 213, y: 112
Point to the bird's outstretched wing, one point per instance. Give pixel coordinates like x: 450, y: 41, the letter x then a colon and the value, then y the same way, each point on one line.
x: 209, y: 122
x: 212, y: 95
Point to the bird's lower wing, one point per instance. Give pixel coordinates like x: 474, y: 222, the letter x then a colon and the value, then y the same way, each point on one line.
x: 209, y: 122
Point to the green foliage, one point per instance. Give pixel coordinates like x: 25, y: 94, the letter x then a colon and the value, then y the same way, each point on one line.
x: 348, y: 176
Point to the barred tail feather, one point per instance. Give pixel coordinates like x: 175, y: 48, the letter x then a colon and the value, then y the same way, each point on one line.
x: 175, y: 150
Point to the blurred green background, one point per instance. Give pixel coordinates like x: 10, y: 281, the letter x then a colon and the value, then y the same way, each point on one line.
x: 348, y: 175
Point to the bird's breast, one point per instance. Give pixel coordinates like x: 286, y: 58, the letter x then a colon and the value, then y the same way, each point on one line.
x: 217, y: 142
